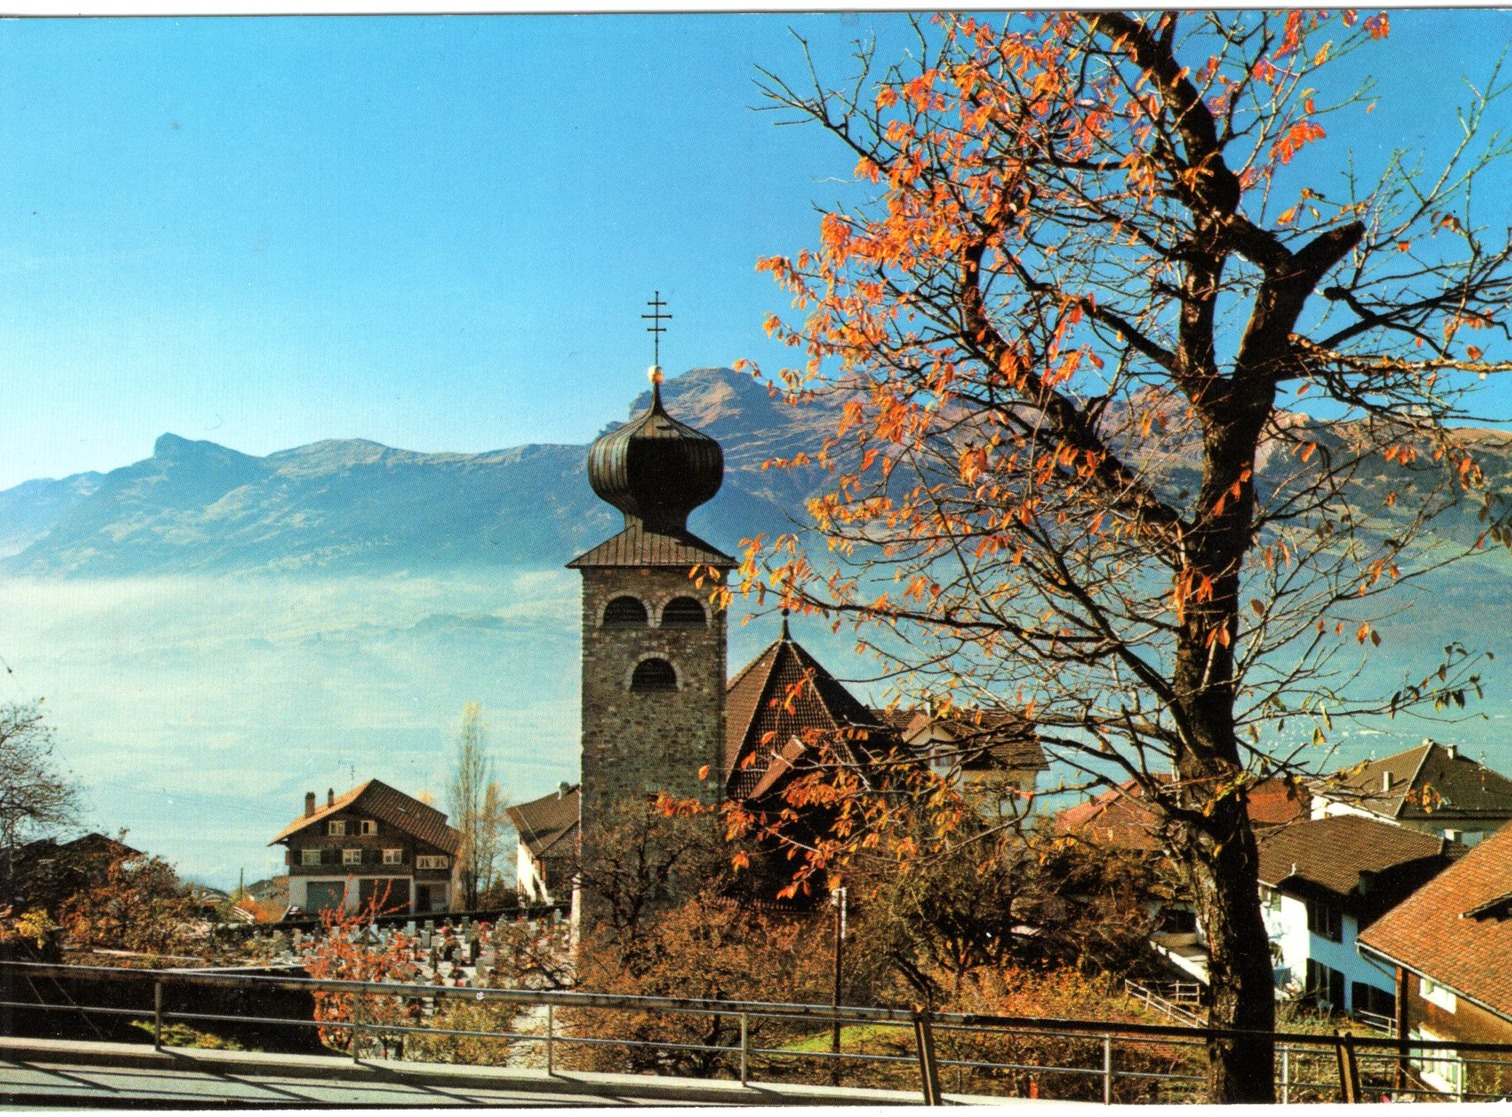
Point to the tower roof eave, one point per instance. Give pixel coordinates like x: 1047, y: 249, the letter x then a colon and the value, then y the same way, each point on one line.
x: 638, y: 545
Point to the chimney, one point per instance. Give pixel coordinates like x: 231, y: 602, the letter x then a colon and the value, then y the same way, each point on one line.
x: 1453, y: 751
x: 309, y: 803
x: 1386, y: 782
x: 562, y: 789
x: 330, y: 796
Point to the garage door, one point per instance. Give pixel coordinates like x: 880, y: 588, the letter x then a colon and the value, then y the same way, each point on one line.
x: 324, y: 895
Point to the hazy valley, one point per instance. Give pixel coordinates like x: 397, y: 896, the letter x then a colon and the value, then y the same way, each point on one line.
x: 216, y: 633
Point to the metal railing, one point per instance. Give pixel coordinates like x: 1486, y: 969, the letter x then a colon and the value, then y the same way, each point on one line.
x: 1180, y: 1000
x: 756, y: 1042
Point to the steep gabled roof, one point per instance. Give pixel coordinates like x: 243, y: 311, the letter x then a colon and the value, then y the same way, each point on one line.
x: 1428, y: 781
x: 1453, y: 929
x: 549, y: 825
x: 388, y: 805
x: 782, y: 695
x: 1340, y: 854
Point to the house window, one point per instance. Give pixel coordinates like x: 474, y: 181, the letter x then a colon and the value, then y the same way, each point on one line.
x: 1435, y: 994
x: 336, y: 828
x: 351, y: 857
x: 393, y: 857
x: 431, y: 861
x: 369, y: 826
x: 1326, y: 921
x: 1442, y: 1068
x: 1325, y: 985
x: 625, y: 612
x: 653, y: 674
x: 683, y: 612
x: 309, y: 857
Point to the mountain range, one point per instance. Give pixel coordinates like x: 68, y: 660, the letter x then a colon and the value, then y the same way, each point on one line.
x: 217, y: 633
x: 357, y: 507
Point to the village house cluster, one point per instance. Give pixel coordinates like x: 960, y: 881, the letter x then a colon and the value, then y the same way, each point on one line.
x: 1387, y: 889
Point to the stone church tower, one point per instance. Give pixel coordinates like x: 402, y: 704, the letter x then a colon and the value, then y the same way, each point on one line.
x: 653, y: 689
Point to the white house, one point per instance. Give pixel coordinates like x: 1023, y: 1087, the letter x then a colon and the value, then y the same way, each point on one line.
x: 1324, y: 880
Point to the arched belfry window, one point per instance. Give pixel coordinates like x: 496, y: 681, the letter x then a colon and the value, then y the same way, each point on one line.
x: 625, y: 612
x: 684, y: 612
x: 654, y: 674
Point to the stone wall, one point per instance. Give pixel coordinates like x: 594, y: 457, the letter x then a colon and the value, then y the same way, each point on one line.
x: 636, y: 744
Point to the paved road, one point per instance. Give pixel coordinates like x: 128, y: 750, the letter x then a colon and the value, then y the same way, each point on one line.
x: 36, y: 1073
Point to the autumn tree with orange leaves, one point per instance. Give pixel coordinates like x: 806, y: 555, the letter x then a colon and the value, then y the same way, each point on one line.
x: 1092, y: 270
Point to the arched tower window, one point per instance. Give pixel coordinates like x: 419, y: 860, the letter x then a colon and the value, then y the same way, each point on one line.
x: 684, y: 612
x: 654, y: 674
x: 625, y: 612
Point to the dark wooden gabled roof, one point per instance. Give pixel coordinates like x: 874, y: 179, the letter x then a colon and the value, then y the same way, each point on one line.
x: 774, y: 703
x: 976, y: 739
x: 549, y: 825
x: 640, y: 546
x: 1429, y: 782
x: 1341, y: 854
x: 385, y: 804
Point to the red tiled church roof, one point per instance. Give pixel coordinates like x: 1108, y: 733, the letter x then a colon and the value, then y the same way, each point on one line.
x: 784, y: 693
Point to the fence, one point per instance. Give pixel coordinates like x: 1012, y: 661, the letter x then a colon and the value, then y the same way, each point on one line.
x: 993, y: 1055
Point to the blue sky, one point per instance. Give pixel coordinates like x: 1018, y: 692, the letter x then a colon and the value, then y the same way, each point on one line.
x: 434, y: 232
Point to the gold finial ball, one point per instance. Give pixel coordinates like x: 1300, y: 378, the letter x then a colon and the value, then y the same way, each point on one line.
x: 655, y: 374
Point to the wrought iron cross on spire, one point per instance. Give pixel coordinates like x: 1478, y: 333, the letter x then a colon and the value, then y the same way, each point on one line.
x: 656, y: 329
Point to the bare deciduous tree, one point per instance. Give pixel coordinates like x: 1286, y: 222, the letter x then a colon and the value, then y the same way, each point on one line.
x: 35, y: 795
x: 1098, y: 259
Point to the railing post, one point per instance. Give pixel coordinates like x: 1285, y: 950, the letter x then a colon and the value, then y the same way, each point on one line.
x: 745, y: 1047
x: 1285, y: 1074
x: 550, y: 1040
x: 157, y: 1015
x: 929, y: 1072
x: 1107, y: 1070
x: 356, y: 1027
x: 1349, y: 1069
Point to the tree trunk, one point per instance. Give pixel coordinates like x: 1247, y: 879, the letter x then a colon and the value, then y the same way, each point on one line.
x: 1223, y: 879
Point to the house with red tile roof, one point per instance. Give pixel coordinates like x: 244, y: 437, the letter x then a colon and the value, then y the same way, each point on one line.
x: 1322, y: 882
x: 547, y: 851
x: 1450, y: 947
x: 1120, y: 818
x: 1430, y: 787
x: 373, y: 843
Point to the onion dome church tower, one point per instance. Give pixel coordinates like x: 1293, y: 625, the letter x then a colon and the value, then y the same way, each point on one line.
x: 653, y: 683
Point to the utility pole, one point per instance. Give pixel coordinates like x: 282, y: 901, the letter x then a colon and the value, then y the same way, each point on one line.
x: 838, y: 899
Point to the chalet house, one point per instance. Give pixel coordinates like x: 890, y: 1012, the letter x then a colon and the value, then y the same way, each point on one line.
x: 1449, y: 946
x: 546, y: 856
x: 371, y: 843
x: 1431, y: 788
x: 1325, y: 880
x: 993, y: 755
